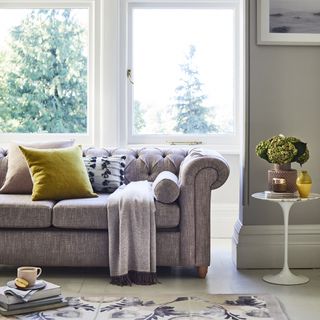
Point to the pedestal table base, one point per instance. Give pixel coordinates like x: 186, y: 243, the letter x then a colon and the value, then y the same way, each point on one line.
x: 285, y: 277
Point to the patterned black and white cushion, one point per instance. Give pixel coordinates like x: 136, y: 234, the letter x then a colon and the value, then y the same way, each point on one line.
x: 105, y: 173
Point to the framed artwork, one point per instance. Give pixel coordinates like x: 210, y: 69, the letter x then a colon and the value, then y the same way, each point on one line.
x: 288, y: 22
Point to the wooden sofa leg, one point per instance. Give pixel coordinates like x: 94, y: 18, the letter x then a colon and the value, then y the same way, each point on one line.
x: 202, y: 271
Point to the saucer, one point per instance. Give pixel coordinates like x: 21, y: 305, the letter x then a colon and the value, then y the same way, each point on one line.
x: 38, y: 285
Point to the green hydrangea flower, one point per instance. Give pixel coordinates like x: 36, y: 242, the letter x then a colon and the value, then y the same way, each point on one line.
x: 281, y: 150
x: 304, y: 157
x: 262, y: 149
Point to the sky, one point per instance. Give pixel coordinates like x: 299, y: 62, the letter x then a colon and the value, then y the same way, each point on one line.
x: 161, y: 39
x: 296, y: 5
x: 8, y: 19
x: 12, y: 17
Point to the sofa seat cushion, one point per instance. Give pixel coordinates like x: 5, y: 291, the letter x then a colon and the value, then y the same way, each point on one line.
x: 91, y: 213
x: 86, y: 213
x: 167, y: 215
x: 19, y: 211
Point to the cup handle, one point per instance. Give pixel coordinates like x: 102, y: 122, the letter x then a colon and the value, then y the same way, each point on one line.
x: 39, y: 271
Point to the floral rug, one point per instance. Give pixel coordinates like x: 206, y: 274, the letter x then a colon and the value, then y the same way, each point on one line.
x: 201, y: 307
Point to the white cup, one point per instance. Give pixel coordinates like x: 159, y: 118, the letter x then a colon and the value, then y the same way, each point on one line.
x: 29, y: 273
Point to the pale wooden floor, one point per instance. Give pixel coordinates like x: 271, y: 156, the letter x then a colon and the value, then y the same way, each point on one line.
x: 301, y: 302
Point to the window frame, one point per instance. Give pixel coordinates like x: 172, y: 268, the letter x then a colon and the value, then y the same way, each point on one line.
x: 90, y: 137
x: 226, y: 142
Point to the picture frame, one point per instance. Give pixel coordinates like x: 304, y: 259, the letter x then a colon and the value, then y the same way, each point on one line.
x: 295, y: 23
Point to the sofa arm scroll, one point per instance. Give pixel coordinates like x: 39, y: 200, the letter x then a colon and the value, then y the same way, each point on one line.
x: 198, y: 160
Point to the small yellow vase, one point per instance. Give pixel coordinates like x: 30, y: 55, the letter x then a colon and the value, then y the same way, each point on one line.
x: 304, y: 184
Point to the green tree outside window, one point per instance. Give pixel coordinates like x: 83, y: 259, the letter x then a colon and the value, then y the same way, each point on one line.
x: 191, y: 112
x: 44, y: 83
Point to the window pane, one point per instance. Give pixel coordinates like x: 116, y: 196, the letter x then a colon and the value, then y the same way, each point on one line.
x: 43, y: 67
x: 183, y: 65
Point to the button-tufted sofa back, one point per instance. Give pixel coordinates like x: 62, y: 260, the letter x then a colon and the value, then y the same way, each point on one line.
x: 141, y: 164
x: 144, y: 163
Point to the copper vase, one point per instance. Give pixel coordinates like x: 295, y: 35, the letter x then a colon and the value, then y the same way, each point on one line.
x: 283, y: 171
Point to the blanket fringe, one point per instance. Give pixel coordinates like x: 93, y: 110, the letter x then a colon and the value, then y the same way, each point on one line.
x: 136, y: 277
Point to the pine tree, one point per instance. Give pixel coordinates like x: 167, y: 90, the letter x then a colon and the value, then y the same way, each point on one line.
x: 189, y: 100
x: 5, y: 121
x: 46, y: 77
x: 138, y: 119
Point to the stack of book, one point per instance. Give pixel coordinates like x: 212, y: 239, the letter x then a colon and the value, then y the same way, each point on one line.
x: 280, y: 195
x: 14, y: 301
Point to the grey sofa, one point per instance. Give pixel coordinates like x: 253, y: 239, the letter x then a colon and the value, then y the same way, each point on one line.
x: 74, y: 232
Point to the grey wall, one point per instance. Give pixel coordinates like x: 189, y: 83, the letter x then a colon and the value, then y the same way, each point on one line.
x: 284, y: 97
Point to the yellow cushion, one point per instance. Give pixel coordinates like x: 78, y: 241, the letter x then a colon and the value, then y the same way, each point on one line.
x: 58, y: 173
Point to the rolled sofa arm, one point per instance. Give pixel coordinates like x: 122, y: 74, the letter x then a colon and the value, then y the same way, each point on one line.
x: 200, y: 172
x: 199, y: 159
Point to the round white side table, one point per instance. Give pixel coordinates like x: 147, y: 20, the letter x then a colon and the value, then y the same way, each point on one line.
x: 286, y: 277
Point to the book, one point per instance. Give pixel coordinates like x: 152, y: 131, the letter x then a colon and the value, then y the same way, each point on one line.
x: 280, y: 195
x: 50, y: 290
x: 56, y: 305
x: 34, y: 303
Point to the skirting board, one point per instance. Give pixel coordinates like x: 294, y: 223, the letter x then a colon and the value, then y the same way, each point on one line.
x: 262, y: 246
x: 223, y: 219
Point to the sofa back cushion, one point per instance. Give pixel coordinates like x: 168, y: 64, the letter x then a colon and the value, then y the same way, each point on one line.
x: 144, y: 163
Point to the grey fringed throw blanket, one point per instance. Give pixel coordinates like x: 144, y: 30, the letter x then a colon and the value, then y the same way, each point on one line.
x: 132, y: 235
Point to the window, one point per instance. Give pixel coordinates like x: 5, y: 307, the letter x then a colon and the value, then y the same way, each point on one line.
x: 182, y: 72
x: 44, y: 66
